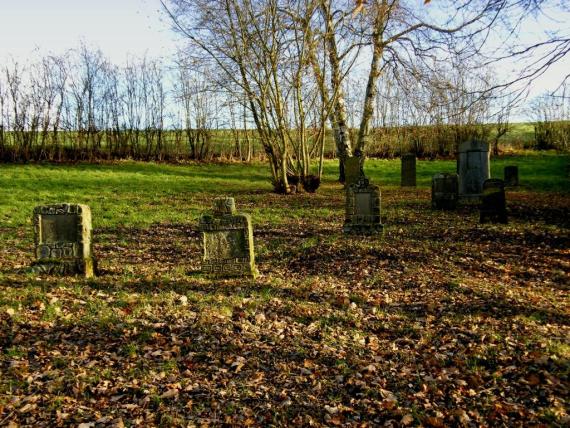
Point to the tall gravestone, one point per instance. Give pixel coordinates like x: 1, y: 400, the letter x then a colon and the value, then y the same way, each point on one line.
x: 444, y: 191
x: 362, y: 208
x: 473, y: 167
x: 511, y: 175
x: 228, y: 241
x: 408, y: 171
x: 62, y: 236
x: 353, y: 169
x: 493, y: 203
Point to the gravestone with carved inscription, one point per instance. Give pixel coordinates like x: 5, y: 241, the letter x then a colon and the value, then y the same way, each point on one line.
x: 228, y: 241
x: 473, y: 167
x: 362, y: 208
x: 408, y: 171
x: 444, y: 191
x: 62, y: 235
x: 493, y: 203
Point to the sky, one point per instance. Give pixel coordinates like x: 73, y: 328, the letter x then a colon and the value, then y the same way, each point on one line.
x: 30, y: 29
x: 117, y: 27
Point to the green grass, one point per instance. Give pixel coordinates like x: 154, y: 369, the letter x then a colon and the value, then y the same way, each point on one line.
x: 330, y: 318
x: 138, y: 194
x: 537, y: 172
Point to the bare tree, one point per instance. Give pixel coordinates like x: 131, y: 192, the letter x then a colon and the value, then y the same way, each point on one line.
x: 193, y: 92
x: 261, y: 50
x: 551, y: 114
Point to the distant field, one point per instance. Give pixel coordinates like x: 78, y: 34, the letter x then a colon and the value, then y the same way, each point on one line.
x: 519, y: 135
x: 174, y: 146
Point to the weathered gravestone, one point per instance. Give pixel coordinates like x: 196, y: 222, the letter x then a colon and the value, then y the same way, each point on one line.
x: 408, y: 172
x: 62, y: 235
x: 228, y: 241
x: 444, y: 191
x: 362, y: 208
x: 511, y: 175
x: 493, y: 203
x: 473, y: 167
x: 353, y: 170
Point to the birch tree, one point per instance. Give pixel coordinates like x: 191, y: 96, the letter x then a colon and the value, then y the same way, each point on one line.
x: 263, y: 51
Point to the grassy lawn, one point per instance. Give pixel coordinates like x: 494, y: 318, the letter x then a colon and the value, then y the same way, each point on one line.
x: 440, y: 321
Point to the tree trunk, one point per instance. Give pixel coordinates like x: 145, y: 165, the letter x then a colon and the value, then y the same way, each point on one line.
x: 371, y: 87
x: 341, y: 131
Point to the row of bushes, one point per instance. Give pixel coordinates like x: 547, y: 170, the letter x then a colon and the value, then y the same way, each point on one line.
x: 209, y: 145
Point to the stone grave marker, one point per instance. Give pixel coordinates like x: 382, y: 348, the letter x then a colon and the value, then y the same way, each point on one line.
x: 473, y: 167
x: 228, y: 241
x: 362, y: 208
x: 408, y: 171
x: 511, y: 174
x: 62, y: 237
x: 352, y: 170
x: 444, y: 191
x: 493, y: 203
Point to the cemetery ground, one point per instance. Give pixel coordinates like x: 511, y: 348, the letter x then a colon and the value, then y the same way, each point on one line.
x: 439, y: 321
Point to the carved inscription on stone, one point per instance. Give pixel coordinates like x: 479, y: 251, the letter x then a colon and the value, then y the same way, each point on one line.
x: 225, y: 244
x: 58, y: 228
x: 362, y: 208
x: 62, y: 235
x: 228, y: 241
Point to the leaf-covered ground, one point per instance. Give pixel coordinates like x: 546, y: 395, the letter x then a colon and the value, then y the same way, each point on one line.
x: 438, y: 322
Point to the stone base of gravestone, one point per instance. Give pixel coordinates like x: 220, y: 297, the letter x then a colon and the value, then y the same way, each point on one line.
x: 473, y: 167
x: 353, y: 169
x: 493, y: 202
x: 444, y: 191
x: 228, y: 241
x: 362, y: 213
x: 408, y: 171
x: 62, y: 237
x: 511, y: 174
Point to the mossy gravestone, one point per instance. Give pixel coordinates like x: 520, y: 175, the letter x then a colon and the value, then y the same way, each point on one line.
x: 228, y: 241
x: 408, y: 171
x: 362, y: 208
x: 353, y: 170
x: 444, y: 191
x: 493, y: 203
x: 62, y: 235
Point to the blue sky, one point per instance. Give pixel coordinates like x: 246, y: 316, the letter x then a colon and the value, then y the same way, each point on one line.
x: 117, y: 27
x: 32, y: 28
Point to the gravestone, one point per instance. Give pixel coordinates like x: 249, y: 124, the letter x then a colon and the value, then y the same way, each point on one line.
x: 493, y: 203
x: 408, y: 172
x: 473, y: 167
x: 362, y: 208
x: 228, y: 241
x: 62, y: 236
x: 353, y: 170
x: 511, y: 175
x: 444, y: 191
